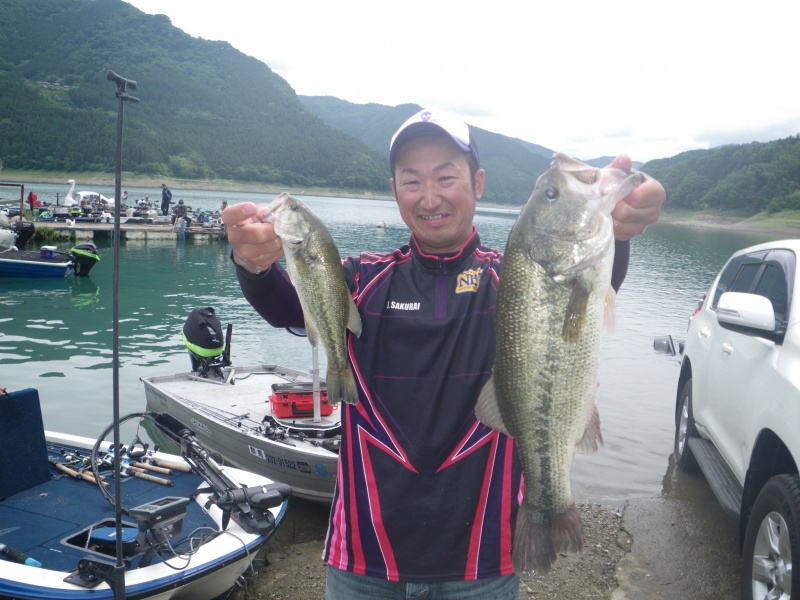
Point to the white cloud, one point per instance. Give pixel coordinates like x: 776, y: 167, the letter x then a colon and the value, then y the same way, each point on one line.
x: 650, y: 79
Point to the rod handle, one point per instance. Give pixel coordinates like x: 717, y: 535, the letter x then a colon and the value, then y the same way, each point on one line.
x: 19, y: 557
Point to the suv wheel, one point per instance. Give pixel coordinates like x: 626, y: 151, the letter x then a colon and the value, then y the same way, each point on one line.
x: 770, y: 553
x: 684, y: 429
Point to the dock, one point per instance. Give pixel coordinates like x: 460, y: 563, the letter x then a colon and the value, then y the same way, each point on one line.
x: 132, y: 229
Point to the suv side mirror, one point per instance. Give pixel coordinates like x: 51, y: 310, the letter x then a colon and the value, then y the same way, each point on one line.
x: 746, y: 310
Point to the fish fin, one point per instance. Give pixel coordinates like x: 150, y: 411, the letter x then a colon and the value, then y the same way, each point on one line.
x: 353, y: 318
x: 566, y: 530
x: 609, y: 311
x: 487, y: 410
x: 534, y: 553
x: 592, y: 438
x: 341, y: 386
x: 575, y: 317
x: 312, y: 333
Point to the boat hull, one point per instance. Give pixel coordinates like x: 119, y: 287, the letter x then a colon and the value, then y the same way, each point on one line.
x: 228, y: 418
x: 209, y: 572
x: 19, y: 263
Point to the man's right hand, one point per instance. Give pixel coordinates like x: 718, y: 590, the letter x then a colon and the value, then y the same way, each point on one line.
x: 255, y: 243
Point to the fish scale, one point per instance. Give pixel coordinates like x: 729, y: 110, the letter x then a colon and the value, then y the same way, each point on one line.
x: 551, y: 304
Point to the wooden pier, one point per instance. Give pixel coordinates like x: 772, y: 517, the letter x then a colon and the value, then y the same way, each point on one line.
x: 88, y: 231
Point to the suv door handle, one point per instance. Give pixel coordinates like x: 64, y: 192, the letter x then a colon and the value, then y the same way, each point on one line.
x: 727, y: 348
x: 703, y: 333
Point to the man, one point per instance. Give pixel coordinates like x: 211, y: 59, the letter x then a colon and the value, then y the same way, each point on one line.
x: 426, y: 495
x: 166, y: 199
x: 181, y: 212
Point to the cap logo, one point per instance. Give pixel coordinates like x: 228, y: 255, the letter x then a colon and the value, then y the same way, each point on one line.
x: 425, y: 117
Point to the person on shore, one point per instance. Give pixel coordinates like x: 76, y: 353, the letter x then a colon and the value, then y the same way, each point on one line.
x: 414, y: 508
x: 166, y: 199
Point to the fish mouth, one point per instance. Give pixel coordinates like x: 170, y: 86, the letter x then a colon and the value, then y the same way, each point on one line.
x: 274, y: 209
x: 608, y: 185
x: 580, y: 171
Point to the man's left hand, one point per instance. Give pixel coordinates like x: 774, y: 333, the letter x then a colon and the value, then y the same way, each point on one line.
x: 638, y: 209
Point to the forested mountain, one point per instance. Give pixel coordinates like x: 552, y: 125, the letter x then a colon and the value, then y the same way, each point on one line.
x: 749, y: 178
x: 209, y: 111
x: 206, y: 111
x: 512, y: 166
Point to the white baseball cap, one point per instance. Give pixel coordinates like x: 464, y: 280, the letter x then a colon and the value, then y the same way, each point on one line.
x: 434, y: 122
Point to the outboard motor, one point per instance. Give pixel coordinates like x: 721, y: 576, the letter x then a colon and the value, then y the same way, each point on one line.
x: 24, y: 231
x: 84, y: 257
x: 209, y: 351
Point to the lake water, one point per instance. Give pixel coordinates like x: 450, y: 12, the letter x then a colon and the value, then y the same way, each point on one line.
x: 56, y: 335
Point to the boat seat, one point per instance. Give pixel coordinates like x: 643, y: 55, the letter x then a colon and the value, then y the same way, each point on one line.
x: 23, y: 458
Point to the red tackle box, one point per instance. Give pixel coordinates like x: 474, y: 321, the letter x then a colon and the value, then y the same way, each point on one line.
x: 297, y: 400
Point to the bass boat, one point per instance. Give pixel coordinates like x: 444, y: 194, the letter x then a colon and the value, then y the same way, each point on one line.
x: 190, y: 528
x: 269, y: 419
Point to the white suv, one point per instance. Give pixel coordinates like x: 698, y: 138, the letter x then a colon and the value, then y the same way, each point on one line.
x: 737, y: 414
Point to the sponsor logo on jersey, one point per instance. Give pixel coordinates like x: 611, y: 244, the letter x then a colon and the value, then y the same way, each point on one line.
x: 392, y: 305
x: 468, y: 281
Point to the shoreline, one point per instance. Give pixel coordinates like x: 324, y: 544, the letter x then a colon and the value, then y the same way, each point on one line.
x: 142, y: 181
x: 732, y: 223
x: 697, y: 220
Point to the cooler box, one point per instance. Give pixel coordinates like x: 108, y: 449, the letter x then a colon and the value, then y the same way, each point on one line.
x: 47, y: 251
x: 297, y: 400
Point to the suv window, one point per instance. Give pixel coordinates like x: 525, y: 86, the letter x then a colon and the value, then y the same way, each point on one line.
x: 763, y: 273
x: 773, y: 287
x: 747, y: 275
x: 729, y: 275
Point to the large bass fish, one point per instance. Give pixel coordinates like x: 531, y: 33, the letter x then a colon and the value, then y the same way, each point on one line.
x: 553, y: 298
x: 315, y: 268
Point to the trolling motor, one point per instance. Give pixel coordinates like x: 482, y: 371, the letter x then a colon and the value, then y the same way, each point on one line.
x: 247, y: 506
x: 209, y: 351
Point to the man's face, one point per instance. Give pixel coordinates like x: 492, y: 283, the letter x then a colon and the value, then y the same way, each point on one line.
x: 434, y: 193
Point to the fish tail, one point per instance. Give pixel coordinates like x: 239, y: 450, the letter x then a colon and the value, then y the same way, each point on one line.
x: 341, y: 385
x: 567, y: 530
x: 533, y: 545
x: 537, y: 539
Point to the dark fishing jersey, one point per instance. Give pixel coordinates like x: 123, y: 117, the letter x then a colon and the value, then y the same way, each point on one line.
x: 425, y: 492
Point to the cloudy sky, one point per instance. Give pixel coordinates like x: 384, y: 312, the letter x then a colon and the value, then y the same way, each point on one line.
x: 650, y: 78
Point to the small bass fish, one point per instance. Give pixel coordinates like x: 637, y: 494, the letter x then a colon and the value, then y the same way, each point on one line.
x: 315, y: 268
x: 552, y: 301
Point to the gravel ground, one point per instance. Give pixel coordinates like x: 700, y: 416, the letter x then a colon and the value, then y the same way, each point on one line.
x: 294, y: 570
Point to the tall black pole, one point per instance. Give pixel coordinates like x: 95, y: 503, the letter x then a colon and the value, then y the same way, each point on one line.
x: 122, y: 96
